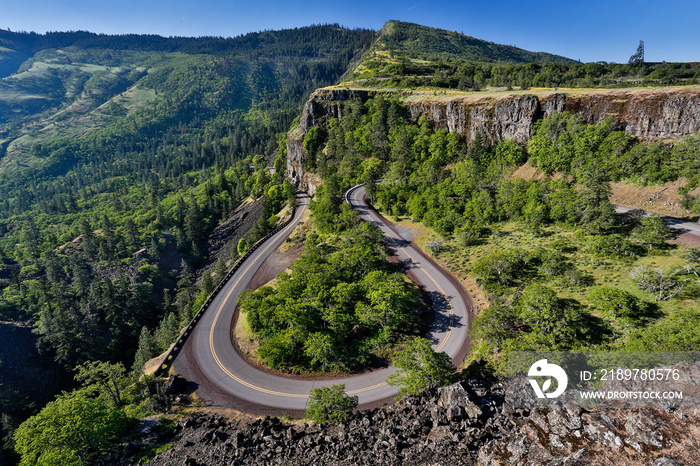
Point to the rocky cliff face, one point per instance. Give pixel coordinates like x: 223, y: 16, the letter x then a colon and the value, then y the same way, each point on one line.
x: 647, y: 114
x: 318, y: 110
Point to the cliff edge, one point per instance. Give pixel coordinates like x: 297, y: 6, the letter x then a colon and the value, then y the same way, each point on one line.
x: 650, y: 114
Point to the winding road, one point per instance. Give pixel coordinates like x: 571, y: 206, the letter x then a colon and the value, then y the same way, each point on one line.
x: 222, y: 376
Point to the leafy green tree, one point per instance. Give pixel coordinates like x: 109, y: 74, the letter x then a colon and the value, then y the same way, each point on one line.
x: 551, y: 263
x: 75, y: 429
x: 496, y: 324
x: 552, y: 143
x: 389, y: 301
x: 612, y: 245
x: 676, y: 332
x: 420, y: 368
x: 598, y: 213
x: 653, y: 232
x: 510, y: 152
x: 614, y: 302
x: 500, y: 266
x: 327, y: 206
x: 242, y: 246
x: 320, y: 349
x: 330, y: 404
x: 103, y: 377
x: 547, y: 316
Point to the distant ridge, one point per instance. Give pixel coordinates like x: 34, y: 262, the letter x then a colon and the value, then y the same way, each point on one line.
x: 415, y: 41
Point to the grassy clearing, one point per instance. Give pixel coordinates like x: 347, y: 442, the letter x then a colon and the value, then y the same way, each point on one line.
x: 299, y: 234
x: 609, y: 272
x: 421, y: 92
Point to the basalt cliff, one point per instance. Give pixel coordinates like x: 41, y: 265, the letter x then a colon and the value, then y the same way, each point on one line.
x: 650, y: 114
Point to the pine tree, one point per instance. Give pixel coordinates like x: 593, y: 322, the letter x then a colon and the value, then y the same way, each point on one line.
x: 207, y: 283
x: 219, y: 271
x: 166, y: 334
x: 598, y: 213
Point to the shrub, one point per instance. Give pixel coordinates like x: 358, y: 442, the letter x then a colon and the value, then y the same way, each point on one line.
x: 330, y: 404
x: 420, y: 368
x: 614, y: 302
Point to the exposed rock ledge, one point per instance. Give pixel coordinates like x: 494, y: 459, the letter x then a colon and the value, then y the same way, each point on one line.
x: 664, y: 113
x: 466, y: 423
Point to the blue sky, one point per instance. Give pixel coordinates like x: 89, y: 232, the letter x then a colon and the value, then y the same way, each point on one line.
x: 589, y: 31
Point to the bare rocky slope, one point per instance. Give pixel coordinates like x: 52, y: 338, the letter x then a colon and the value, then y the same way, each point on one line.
x: 651, y: 114
x: 466, y: 423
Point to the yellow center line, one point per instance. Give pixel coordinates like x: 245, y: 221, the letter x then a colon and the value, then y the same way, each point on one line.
x: 684, y: 227
x: 213, y: 350
x: 449, y: 330
x: 449, y: 304
x: 360, y: 390
x: 295, y: 395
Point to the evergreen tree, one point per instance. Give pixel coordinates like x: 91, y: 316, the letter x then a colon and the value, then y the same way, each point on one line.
x: 145, y: 352
x: 598, y: 213
x: 207, y: 283
x: 220, y: 271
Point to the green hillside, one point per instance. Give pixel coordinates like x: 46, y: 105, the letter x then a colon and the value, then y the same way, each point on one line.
x: 427, y: 54
x: 135, y: 138
x: 118, y: 156
x: 407, y: 56
x: 415, y: 41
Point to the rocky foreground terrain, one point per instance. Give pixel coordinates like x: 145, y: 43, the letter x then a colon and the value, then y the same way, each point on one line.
x: 465, y: 423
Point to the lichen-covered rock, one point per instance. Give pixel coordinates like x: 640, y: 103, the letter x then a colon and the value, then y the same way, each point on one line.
x: 455, y: 399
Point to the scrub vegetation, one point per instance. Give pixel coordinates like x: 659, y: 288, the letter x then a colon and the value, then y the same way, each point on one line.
x: 561, y: 269
x: 118, y: 156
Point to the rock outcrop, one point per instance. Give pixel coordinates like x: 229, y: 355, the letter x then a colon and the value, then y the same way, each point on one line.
x: 465, y: 423
x: 649, y: 114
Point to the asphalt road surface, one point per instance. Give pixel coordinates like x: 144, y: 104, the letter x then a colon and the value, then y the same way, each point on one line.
x: 220, y: 369
x: 673, y: 222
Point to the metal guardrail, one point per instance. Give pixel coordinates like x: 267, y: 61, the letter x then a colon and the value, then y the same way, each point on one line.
x: 175, y: 349
x: 347, y: 193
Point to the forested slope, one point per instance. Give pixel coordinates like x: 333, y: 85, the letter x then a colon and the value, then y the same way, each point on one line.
x: 559, y: 269
x: 407, y: 55
x: 118, y: 154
